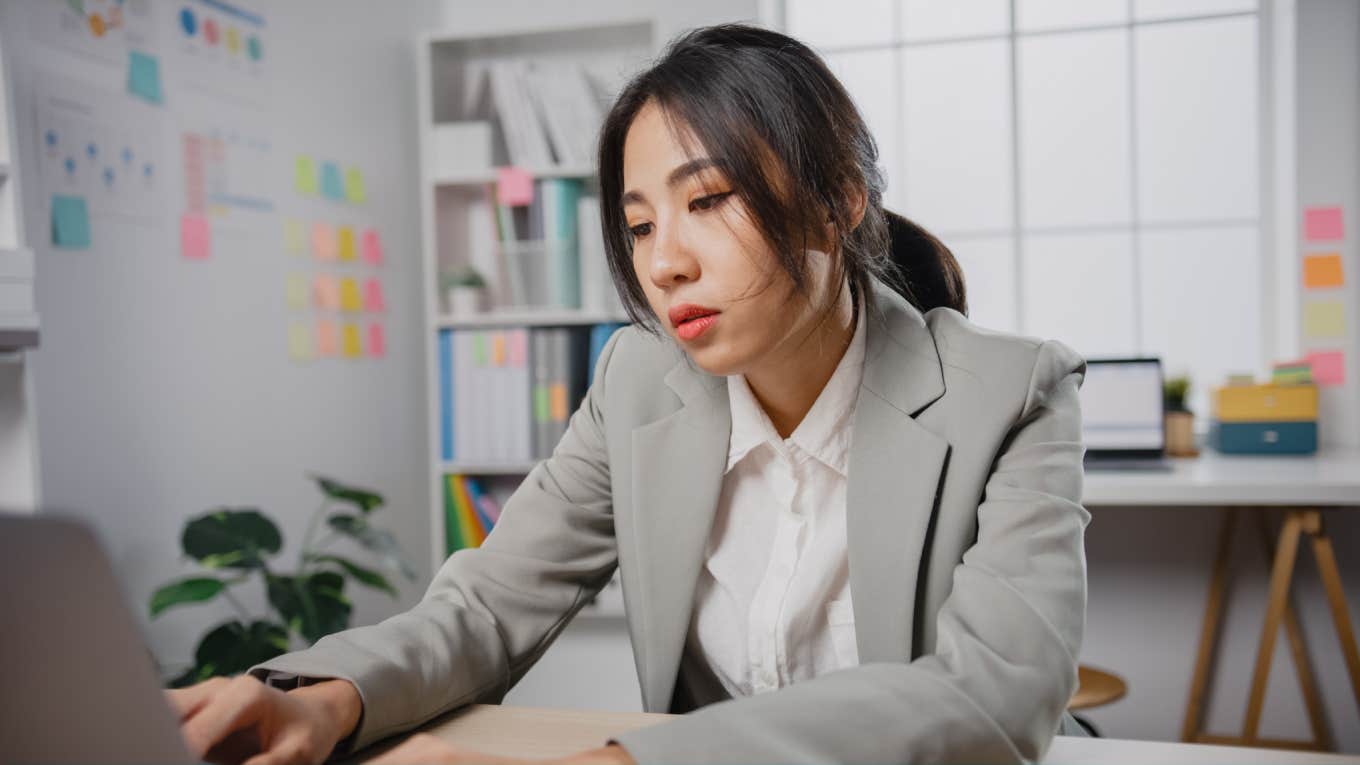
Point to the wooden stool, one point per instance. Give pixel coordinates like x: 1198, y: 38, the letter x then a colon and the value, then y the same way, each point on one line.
x: 1096, y: 688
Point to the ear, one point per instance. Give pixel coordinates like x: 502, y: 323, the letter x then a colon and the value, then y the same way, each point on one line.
x: 858, y: 199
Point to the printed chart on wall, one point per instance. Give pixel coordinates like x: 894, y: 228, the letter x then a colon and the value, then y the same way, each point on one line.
x: 100, y: 156
x: 102, y: 29
x: 221, y: 47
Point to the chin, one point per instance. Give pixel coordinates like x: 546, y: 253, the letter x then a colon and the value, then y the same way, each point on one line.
x: 715, y: 360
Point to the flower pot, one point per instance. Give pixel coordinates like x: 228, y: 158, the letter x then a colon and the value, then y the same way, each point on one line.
x: 464, y: 300
x: 1180, y: 434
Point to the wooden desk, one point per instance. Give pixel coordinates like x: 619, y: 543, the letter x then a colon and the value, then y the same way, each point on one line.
x: 1302, y: 489
x: 536, y: 733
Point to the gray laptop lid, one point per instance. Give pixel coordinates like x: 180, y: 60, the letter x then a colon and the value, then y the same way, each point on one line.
x: 77, y: 682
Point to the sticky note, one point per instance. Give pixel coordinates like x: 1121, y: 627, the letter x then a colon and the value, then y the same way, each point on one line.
x: 373, y: 251
x: 346, y: 242
x: 519, y: 340
x: 195, y: 239
x: 331, y: 185
x: 1324, y: 318
x: 326, y: 292
x: 1322, y: 270
x: 1329, y: 367
x: 498, y: 349
x: 323, y: 242
x: 377, y: 341
x: 144, y: 76
x: 349, y: 295
x: 70, y: 222
x: 557, y: 397
x: 299, y: 342
x: 373, y: 296
x: 354, y: 185
x: 1322, y: 224
x: 297, y: 291
x: 353, y: 348
x: 305, y: 175
x: 294, y: 239
x: 327, y: 338
x: 514, y: 187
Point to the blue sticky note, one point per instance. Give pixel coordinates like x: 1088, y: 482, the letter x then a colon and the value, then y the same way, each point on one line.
x: 70, y: 222
x: 331, y: 184
x: 144, y: 76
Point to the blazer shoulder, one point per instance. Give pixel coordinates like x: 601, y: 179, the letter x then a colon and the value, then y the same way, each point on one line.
x: 1015, y: 362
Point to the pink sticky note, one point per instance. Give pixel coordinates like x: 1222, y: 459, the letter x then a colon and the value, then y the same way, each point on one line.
x: 1329, y: 367
x: 323, y: 242
x: 1323, y: 224
x: 195, y: 238
x: 514, y: 187
x: 377, y: 341
x: 327, y: 338
x: 372, y: 247
x: 326, y: 292
x: 373, y: 296
x: 519, y: 340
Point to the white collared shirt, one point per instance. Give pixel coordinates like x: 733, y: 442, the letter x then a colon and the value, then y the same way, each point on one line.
x: 772, y: 605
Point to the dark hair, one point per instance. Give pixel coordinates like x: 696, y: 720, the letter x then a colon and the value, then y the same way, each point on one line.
x: 788, y: 136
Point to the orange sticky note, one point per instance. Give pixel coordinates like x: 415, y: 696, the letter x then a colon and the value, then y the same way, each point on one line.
x: 349, y: 295
x: 323, y: 242
x: 373, y: 296
x: 498, y: 349
x: 1329, y: 367
x: 514, y: 187
x: 327, y: 339
x: 372, y: 245
x: 326, y: 292
x: 557, y: 401
x: 1322, y: 270
x: 377, y: 341
x: 347, y: 243
x: 1322, y: 224
x: 353, y: 349
x: 195, y: 238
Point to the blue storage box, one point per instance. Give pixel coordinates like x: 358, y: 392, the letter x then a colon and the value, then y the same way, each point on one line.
x: 1263, y: 437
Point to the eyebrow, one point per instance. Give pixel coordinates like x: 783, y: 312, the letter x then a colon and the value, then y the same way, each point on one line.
x: 680, y: 173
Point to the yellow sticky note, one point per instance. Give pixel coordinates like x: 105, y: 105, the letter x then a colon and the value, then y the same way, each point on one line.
x: 1324, y: 318
x: 354, y: 185
x: 297, y: 291
x: 347, y: 250
x: 299, y: 342
x: 349, y: 295
x: 353, y: 349
x: 305, y: 175
x: 294, y: 237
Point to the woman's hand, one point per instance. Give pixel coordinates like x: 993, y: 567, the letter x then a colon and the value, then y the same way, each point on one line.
x: 426, y: 749
x: 242, y: 720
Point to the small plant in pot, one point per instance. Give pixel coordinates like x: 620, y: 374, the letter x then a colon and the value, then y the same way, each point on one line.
x: 233, y: 544
x: 464, y: 288
x: 1180, y: 421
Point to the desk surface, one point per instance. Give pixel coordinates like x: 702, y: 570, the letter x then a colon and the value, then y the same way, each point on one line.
x: 527, y: 732
x: 1330, y: 478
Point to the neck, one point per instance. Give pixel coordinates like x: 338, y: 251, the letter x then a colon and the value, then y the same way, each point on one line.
x: 787, y: 384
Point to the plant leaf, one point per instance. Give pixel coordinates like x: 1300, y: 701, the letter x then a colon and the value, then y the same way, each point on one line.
x: 377, y: 541
x: 192, y: 590
x: 365, y: 576
x: 313, y: 606
x: 231, y: 538
x: 363, y: 499
x: 232, y: 648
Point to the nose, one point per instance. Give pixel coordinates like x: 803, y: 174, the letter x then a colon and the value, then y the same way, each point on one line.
x: 672, y: 260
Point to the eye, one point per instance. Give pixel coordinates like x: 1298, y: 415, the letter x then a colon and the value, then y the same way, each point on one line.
x: 638, y: 234
x: 710, y: 201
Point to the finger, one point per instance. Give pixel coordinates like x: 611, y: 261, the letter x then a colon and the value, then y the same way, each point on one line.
x: 287, y: 752
x: 241, y: 703
x: 185, y: 701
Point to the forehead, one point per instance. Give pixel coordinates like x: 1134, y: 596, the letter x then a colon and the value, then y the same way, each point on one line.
x: 656, y: 142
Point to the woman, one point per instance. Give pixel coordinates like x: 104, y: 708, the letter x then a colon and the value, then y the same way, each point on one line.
x: 848, y: 531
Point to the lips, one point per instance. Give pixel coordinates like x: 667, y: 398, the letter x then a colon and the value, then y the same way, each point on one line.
x: 688, y: 311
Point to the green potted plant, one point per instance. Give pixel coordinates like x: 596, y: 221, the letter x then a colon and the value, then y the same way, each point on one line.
x: 464, y: 287
x: 1180, y: 421
x: 235, y: 544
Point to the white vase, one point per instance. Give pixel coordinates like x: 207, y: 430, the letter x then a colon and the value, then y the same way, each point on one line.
x: 464, y: 300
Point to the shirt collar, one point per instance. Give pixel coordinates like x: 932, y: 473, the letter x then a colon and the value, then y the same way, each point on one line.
x: 824, y: 432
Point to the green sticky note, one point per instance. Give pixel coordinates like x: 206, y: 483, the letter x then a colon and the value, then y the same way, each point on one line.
x: 70, y: 222
x: 305, y: 175
x: 354, y: 185
x: 144, y: 76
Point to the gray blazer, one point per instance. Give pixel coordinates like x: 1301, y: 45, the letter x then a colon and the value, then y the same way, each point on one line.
x: 967, y: 566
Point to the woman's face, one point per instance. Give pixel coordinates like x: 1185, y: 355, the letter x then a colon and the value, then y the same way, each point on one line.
x: 695, y: 244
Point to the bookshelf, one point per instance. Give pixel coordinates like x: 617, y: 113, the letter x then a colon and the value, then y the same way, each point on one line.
x: 459, y: 225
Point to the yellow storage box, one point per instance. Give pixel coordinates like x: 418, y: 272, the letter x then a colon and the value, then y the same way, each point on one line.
x: 1265, y: 403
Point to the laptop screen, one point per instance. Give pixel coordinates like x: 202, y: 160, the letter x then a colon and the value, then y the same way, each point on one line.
x: 1121, y: 406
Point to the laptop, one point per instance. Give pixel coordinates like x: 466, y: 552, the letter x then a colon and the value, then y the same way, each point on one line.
x: 1122, y: 415
x: 77, y: 681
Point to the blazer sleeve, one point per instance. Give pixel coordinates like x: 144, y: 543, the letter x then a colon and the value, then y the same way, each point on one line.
x: 491, y: 611
x: 1004, y: 664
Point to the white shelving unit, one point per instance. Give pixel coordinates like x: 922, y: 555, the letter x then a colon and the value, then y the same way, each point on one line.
x: 456, y: 229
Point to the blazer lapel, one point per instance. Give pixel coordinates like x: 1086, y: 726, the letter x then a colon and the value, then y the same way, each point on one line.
x: 678, y: 465
x: 895, y: 466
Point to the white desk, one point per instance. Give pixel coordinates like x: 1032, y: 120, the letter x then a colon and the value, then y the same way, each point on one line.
x: 1302, y: 488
